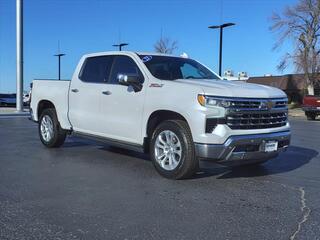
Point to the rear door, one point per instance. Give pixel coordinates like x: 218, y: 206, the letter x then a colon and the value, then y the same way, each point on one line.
x: 85, y: 94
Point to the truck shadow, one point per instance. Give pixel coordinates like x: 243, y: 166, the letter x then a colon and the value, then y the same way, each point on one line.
x: 128, y: 153
x: 294, y: 158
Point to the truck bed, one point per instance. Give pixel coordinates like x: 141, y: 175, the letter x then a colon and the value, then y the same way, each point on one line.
x: 54, y: 91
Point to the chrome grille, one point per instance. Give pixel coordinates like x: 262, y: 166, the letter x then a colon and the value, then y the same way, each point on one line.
x: 257, y: 113
x: 258, y: 104
x: 257, y: 120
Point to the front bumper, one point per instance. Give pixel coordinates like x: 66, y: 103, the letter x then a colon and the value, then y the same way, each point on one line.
x: 243, y: 149
x: 311, y: 109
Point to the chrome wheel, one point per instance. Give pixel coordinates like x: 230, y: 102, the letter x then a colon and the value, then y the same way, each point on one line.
x: 168, y: 150
x: 46, y: 128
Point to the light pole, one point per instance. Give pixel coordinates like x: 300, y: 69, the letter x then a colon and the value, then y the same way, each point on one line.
x: 120, y: 45
x: 221, y: 27
x: 19, y: 29
x: 59, y: 55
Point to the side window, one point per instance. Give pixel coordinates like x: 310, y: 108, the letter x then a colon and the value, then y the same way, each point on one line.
x: 125, y: 65
x: 96, y: 69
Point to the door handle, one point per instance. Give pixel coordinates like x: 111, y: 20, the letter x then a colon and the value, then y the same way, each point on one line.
x: 74, y: 90
x: 106, y: 92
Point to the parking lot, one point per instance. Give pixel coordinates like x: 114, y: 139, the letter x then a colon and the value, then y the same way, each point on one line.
x: 86, y: 190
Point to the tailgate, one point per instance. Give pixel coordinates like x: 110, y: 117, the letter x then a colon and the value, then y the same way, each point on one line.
x: 311, y: 101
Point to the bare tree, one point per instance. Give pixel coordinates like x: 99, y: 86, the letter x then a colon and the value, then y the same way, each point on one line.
x: 165, y: 45
x: 301, y: 25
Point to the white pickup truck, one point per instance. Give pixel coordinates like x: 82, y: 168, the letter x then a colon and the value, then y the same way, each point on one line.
x: 172, y: 107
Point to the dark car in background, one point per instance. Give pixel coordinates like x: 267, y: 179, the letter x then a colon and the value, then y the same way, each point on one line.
x: 8, y: 100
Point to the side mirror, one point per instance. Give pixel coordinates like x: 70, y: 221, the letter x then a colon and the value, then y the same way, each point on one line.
x: 130, y: 80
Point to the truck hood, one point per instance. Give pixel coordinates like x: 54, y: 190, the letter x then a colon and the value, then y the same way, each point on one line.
x: 225, y: 88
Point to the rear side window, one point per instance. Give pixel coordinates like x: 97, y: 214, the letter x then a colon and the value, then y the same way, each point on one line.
x: 124, y: 65
x: 96, y: 69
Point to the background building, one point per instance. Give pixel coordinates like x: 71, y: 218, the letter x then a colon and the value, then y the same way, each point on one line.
x: 229, y: 75
x: 292, y: 84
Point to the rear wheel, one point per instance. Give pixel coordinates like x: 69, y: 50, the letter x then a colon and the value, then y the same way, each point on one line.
x: 172, y: 150
x: 50, y: 132
x: 311, y: 116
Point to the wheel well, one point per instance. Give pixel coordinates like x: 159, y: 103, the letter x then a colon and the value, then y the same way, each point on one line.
x: 155, y: 119
x: 44, y: 104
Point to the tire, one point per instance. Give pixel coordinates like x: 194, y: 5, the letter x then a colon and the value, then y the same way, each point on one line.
x: 50, y: 132
x: 181, y: 154
x: 311, y: 116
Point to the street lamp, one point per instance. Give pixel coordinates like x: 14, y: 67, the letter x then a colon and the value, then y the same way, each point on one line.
x: 221, y: 27
x: 120, y: 45
x: 19, y: 29
x: 59, y: 55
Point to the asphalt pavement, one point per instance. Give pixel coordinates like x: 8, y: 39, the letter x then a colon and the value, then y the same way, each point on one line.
x: 87, y: 190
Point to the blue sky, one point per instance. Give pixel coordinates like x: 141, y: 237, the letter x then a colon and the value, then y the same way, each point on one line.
x: 84, y: 26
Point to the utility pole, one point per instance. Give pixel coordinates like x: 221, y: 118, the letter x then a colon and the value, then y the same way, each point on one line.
x: 19, y: 71
x: 120, y: 45
x: 59, y: 55
x: 221, y: 27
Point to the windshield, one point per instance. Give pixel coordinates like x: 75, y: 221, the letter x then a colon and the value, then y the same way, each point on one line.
x: 172, y: 68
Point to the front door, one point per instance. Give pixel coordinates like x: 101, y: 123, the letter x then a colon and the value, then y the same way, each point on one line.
x: 121, y: 106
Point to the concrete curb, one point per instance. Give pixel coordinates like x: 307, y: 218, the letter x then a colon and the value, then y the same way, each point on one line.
x: 11, y: 112
x: 3, y: 114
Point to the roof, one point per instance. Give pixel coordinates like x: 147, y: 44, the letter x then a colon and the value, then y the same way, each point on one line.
x: 155, y: 53
x: 284, y: 82
x: 126, y: 52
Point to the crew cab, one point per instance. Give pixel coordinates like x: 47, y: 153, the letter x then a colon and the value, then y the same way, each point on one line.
x: 311, y: 106
x: 174, y: 108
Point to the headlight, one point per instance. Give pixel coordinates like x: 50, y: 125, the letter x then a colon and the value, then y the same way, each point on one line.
x: 207, y: 101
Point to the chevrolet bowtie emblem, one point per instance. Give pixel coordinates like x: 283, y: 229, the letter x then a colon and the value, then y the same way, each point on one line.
x: 270, y: 105
x: 266, y: 105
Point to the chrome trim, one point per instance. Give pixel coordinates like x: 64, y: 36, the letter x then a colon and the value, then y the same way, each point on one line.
x: 251, y: 110
x: 254, y: 104
x: 247, y: 99
x: 225, y: 152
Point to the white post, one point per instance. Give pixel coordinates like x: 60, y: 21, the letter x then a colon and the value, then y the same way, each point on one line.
x: 19, y: 26
x: 310, y: 89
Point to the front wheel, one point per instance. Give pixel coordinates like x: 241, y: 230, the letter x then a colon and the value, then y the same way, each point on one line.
x: 172, y: 150
x: 50, y: 132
